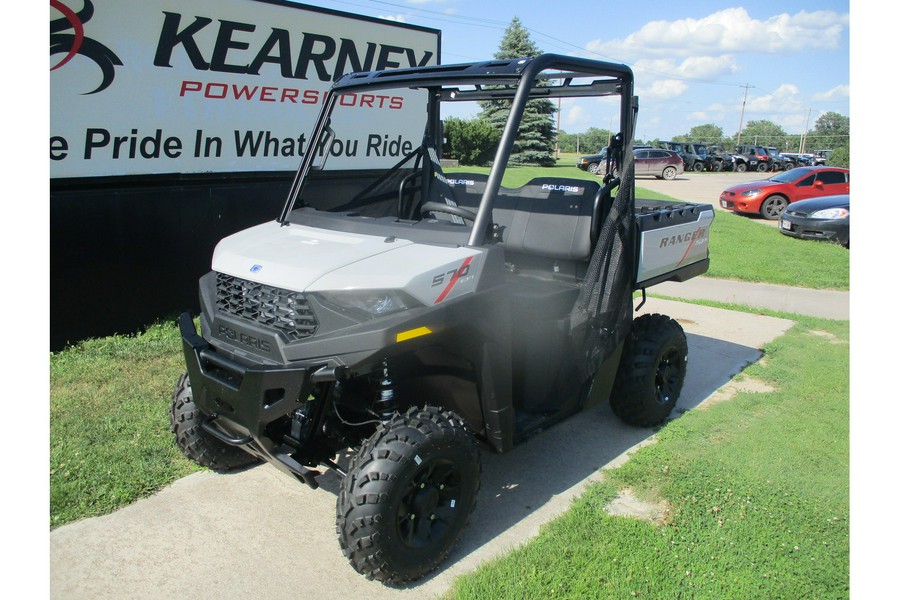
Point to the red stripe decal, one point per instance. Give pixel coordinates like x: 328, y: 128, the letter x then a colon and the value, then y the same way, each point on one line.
x: 691, y: 245
x: 453, y: 281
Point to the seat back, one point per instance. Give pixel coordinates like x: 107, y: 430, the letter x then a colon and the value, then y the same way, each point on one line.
x: 551, y: 217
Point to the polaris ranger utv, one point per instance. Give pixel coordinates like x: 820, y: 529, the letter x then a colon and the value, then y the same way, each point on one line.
x: 395, y: 317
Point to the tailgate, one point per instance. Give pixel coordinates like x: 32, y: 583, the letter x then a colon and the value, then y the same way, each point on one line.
x: 673, y: 241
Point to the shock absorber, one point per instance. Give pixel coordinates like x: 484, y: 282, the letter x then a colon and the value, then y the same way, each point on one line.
x: 386, y: 399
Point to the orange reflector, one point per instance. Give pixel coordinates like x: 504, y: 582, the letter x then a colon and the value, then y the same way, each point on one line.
x: 412, y: 333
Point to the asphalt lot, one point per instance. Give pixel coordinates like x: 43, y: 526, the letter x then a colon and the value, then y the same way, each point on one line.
x: 260, y: 533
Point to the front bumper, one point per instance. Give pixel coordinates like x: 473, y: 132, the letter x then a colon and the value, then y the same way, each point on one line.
x: 833, y: 230
x: 241, y: 402
x: 738, y: 203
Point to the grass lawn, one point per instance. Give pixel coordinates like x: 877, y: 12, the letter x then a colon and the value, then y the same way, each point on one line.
x: 747, y: 251
x: 757, y: 491
x: 109, y: 431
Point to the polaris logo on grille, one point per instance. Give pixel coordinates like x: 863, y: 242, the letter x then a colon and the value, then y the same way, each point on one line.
x: 243, y: 338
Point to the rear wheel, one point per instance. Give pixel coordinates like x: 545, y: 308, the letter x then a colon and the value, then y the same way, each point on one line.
x: 669, y: 173
x: 740, y: 168
x: 408, y: 494
x: 697, y: 166
x: 762, y: 167
x: 185, y: 421
x: 773, y: 206
x: 651, y: 372
x: 594, y: 168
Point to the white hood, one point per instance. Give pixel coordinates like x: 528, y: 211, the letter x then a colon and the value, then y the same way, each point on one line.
x: 294, y: 256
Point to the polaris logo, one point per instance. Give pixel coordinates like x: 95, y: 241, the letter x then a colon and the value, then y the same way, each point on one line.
x: 683, y: 238
x: 244, y: 339
x: 562, y: 188
x: 461, y: 181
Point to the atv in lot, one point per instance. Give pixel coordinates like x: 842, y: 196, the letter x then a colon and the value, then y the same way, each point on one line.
x: 395, y: 319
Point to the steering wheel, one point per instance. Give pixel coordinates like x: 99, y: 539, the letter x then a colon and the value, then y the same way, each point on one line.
x: 457, y: 211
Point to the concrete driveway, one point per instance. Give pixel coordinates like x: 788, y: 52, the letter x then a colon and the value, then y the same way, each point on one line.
x: 259, y: 533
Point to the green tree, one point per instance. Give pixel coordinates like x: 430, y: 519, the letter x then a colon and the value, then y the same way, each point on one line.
x: 589, y: 142
x: 705, y: 134
x: 763, y: 133
x: 536, y: 138
x: 470, y: 141
x: 832, y: 132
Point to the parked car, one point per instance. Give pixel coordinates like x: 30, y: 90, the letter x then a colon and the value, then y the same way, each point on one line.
x: 825, y: 218
x: 591, y: 163
x: 769, y: 197
x: 662, y: 164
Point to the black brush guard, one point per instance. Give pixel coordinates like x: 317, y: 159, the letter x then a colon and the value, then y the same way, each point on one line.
x: 241, y: 402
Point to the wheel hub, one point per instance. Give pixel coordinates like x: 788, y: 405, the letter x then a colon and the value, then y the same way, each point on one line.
x: 666, y: 375
x: 428, y: 507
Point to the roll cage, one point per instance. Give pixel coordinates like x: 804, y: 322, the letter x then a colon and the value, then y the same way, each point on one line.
x: 516, y: 80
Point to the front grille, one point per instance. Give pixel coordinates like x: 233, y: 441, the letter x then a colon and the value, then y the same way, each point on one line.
x: 283, y: 310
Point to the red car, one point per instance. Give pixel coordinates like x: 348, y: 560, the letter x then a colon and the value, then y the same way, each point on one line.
x: 770, y: 196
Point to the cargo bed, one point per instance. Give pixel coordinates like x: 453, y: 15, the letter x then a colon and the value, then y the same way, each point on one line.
x: 674, y: 240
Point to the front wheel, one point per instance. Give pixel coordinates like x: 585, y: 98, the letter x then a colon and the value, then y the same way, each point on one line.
x: 697, y: 167
x: 773, y: 206
x: 669, y: 173
x: 740, y: 168
x: 651, y: 372
x: 185, y: 421
x: 594, y: 168
x: 408, y: 494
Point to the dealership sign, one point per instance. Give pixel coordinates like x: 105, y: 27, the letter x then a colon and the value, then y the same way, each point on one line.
x: 164, y: 86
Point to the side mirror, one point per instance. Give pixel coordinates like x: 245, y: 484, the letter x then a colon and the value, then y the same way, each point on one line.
x: 818, y: 185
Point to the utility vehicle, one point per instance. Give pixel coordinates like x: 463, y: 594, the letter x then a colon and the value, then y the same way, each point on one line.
x: 395, y: 319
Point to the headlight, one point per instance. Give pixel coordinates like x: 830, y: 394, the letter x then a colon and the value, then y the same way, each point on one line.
x: 751, y: 193
x: 830, y: 213
x: 373, y: 303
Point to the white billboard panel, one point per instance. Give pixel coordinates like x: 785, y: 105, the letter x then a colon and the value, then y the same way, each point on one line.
x: 164, y: 86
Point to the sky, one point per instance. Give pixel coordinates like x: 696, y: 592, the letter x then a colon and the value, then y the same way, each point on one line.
x: 694, y: 62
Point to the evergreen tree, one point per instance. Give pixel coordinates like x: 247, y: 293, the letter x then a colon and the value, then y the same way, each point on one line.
x: 537, y: 133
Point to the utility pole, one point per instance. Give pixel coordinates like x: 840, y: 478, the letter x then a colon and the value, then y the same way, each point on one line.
x: 746, y: 86
x: 805, y: 132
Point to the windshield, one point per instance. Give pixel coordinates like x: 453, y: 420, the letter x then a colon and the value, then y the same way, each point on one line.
x: 790, y: 176
x: 375, y: 142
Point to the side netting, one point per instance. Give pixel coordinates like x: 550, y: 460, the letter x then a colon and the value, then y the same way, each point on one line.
x: 603, y: 312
